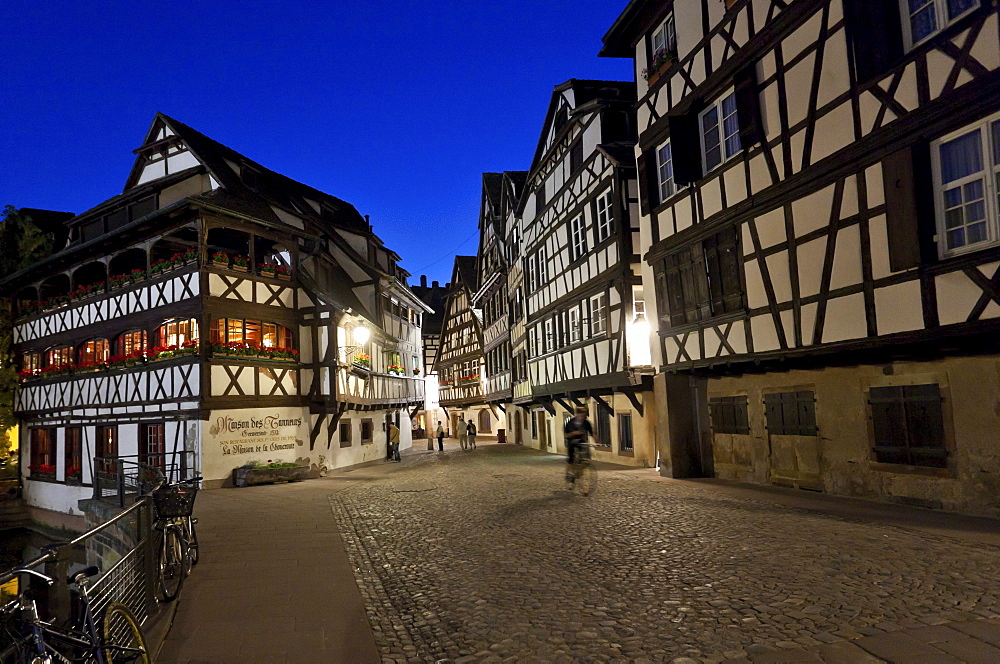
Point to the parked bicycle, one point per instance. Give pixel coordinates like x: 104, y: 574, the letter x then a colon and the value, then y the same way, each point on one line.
x: 36, y: 641
x: 178, y: 551
x: 582, y: 475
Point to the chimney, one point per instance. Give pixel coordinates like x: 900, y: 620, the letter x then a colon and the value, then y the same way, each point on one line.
x: 423, y: 281
x: 434, y: 284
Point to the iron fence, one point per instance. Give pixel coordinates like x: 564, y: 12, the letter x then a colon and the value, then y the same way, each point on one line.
x: 122, y: 479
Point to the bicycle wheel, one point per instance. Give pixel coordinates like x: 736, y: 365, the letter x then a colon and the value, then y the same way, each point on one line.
x: 171, y: 563
x: 586, y: 478
x: 122, y: 637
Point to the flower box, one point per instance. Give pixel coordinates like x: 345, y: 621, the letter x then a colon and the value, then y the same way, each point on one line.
x: 251, y: 476
x: 241, y: 268
x: 267, y: 272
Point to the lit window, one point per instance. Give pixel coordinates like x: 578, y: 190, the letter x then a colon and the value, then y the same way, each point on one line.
x: 131, y: 342
x: 967, y: 182
x: 720, y: 132
x: 177, y: 332
x: 923, y: 18
x: 95, y: 350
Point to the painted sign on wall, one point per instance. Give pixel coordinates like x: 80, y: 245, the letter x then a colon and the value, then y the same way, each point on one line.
x: 234, y: 437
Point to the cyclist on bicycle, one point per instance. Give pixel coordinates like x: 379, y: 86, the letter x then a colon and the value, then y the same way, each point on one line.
x: 577, y: 430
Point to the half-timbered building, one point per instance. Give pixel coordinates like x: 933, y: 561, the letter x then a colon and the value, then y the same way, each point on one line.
x: 583, y: 294
x: 460, y: 364
x: 491, y: 298
x: 434, y: 297
x: 511, y: 190
x: 820, y: 223
x: 214, y: 313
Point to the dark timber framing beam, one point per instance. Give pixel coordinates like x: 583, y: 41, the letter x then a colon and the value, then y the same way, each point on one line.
x: 634, y: 399
x: 603, y: 404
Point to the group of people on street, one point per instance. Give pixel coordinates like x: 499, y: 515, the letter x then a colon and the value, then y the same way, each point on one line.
x: 466, y: 435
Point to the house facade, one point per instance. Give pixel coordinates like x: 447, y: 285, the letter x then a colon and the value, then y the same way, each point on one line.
x: 434, y: 297
x: 583, y: 300
x: 214, y: 313
x: 819, y: 225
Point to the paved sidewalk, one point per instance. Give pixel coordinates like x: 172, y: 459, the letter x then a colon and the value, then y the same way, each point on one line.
x: 285, y: 579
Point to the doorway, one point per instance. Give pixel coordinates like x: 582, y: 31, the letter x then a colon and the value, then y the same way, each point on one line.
x: 517, y: 426
x: 543, y: 431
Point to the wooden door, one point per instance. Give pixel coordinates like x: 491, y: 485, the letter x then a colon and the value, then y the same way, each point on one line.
x: 543, y: 431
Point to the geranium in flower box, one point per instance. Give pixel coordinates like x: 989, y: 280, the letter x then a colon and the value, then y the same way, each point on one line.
x: 42, y: 470
x: 119, y: 280
x: 363, y: 359
x: 241, y: 264
x: 137, y: 275
x: 220, y: 259
x: 74, y: 474
x: 266, y: 270
x: 283, y: 272
x: 190, y: 256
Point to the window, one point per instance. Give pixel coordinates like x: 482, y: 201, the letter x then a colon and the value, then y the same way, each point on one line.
x: 543, y: 268
x: 345, y: 433
x: 539, y: 199
x: 367, y: 430
x: 729, y: 415
x: 578, y: 237
x: 790, y: 413
x: 106, y: 448
x: 967, y: 182
x: 908, y: 426
x: 576, y: 156
x: 720, y: 132
x: 177, y: 332
x: 665, y: 37
x: 665, y: 172
x: 253, y: 332
x: 532, y: 275
x: 604, y: 217
x: 131, y: 342
x: 550, y: 336
x: 43, y: 448
x: 575, y: 332
x: 55, y: 357
x: 533, y: 341
x: 603, y: 431
x: 598, y: 314
x: 701, y: 280
x: 94, y: 351
x: 625, y: 432
x: 923, y: 18
x: 31, y: 363
x: 73, y: 455
x: 534, y: 425
x: 152, y: 446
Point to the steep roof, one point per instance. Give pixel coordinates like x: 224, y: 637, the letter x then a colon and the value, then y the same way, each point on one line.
x: 433, y: 297
x: 465, y: 271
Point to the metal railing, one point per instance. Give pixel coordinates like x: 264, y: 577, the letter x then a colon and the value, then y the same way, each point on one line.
x: 120, y: 480
x: 124, y: 548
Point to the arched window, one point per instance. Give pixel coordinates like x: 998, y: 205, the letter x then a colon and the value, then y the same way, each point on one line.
x: 133, y: 341
x: 56, y: 357
x: 94, y: 351
x: 485, y: 422
x: 177, y: 332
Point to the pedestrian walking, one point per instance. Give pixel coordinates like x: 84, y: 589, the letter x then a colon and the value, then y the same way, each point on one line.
x: 463, y: 435
x: 471, y: 430
x: 394, y: 441
x: 577, y: 430
x: 440, y: 435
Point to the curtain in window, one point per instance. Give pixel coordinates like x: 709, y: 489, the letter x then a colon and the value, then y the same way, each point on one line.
x: 710, y: 131
x: 730, y: 125
x: 964, y: 203
x: 665, y: 169
x: 958, y: 7
x: 923, y: 18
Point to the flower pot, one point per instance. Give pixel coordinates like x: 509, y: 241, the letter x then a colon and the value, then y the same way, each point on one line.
x: 241, y: 268
x: 222, y: 264
x: 284, y: 277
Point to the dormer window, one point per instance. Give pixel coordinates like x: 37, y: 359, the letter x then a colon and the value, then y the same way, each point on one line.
x: 923, y: 18
x: 250, y: 177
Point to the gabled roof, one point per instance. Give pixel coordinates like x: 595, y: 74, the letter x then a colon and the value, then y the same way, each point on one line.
x: 434, y: 297
x: 584, y: 92
x: 621, y: 38
x: 465, y: 273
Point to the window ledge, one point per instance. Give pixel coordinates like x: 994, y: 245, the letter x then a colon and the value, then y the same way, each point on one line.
x: 903, y: 469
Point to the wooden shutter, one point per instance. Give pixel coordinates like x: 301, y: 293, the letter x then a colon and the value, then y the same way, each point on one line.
x: 888, y: 424
x: 748, y: 107
x: 685, y: 147
x: 924, y: 425
x: 875, y: 34
x: 901, y: 210
x: 645, y: 201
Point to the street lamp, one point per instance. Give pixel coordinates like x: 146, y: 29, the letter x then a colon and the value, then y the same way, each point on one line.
x: 361, y: 335
x: 638, y: 337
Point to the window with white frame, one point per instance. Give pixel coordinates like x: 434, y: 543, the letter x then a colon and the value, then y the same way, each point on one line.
x: 533, y: 342
x: 720, y: 132
x: 966, y: 186
x: 604, y: 217
x: 923, y: 18
x: 543, y: 267
x: 665, y: 171
x: 578, y: 237
x: 575, y: 332
x: 665, y: 37
x: 598, y: 314
x: 548, y: 342
x: 532, y: 275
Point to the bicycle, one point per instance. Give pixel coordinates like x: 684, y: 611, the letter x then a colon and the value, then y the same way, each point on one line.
x: 38, y: 642
x: 582, y: 475
x: 178, y: 552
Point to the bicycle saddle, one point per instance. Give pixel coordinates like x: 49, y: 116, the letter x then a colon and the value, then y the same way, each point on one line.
x: 76, y: 577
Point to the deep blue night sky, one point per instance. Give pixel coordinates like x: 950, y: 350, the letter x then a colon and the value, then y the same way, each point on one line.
x: 395, y: 107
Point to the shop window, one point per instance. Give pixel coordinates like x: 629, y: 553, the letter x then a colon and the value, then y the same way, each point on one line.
x: 73, y: 450
x: 908, y: 425
x: 729, y: 415
x: 625, y: 443
x: 345, y: 433
x: 790, y: 413
x: 131, y: 342
x: 42, y: 453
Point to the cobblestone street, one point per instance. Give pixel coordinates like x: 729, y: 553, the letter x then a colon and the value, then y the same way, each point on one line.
x: 484, y: 556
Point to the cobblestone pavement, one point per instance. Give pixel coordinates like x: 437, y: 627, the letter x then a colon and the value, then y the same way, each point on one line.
x: 484, y: 556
